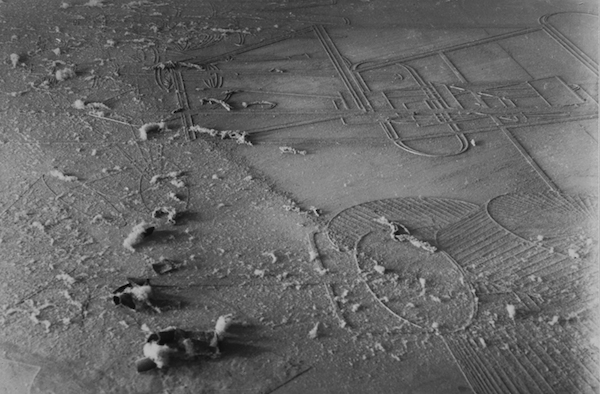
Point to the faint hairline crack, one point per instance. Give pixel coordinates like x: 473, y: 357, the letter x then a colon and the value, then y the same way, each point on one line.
x: 22, y: 195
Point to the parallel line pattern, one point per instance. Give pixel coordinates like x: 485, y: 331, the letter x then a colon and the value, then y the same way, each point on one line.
x: 345, y: 228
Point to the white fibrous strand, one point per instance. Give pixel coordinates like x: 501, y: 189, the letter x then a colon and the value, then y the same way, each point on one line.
x: 58, y: 174
x: 293, y: 151
x: 171, y: 175
x: 80, y: 104
x: 422, y: 282
x: 396, y: 229
x: 192, y: 65
x: 94, y: 3
x: 315, y: 211
x: 216, y: 101
x: 400, y: 233
x: 241, y: 137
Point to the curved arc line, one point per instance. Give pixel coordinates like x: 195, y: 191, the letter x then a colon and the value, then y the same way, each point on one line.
x: 565, y: 42
x: 525, y: 240
x: 355, y: 255
x: 473, y: 297
x: 400, y: 144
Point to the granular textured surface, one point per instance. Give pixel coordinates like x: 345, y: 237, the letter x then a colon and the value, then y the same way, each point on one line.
x: 386, y: 196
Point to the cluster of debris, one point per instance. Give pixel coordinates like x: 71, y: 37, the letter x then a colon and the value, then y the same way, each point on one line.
x: 241, y: 137
x: 169, y: 212
x: 293, y: 151
x: 400, y: 233
x: 293, y: 207
x: 172, y: 345
x: 137, y: 294
x: 169, y: 65
x: 222, y: 103
x: 166, y: 347
x: 94, y: 108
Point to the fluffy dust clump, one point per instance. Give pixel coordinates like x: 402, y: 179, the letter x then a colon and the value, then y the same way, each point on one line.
x: 178, y: 183
x: 79, y: 104
x: 94, y: 3
x: 62, y: 177
x: 14, y: 60
x: 137, y: 234
x: 512, y: 311
x: 222, y: 325
x: 314, y: 332
x: 141, y: 293
x: 150, y: 128
x: 173, y: 174
x: 160, y: 354
x: 64, y: 74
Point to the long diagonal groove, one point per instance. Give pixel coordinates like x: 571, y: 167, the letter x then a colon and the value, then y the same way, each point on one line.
x: 563, y: 41
x: 474, y: 369
x: 21, y: 195
x: 352, y: 85
x: 291, y: 124
x: 527, y: 156
x: 452, y: 67
x: 247, y: 48
x: 458, y: 364
x: 474, y: 301
x: 495, y: 127
x: 403, y: 59
x: 183, y: 102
